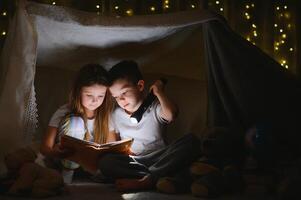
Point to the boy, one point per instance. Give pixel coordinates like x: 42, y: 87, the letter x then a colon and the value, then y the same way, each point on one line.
x: 150, y: 159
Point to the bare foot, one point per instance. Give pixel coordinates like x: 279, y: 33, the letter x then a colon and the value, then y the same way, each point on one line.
x: 144, y: 183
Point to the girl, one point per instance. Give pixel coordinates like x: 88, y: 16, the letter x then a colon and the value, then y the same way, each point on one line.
x: 86, y: 116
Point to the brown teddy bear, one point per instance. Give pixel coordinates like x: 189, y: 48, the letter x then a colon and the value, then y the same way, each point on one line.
x: 26, y: 178
x: 216, y: 172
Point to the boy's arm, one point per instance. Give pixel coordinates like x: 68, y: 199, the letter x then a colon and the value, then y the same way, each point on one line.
x: 169, y: 109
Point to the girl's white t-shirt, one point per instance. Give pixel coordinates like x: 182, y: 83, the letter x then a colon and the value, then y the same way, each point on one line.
x: 77, y: 126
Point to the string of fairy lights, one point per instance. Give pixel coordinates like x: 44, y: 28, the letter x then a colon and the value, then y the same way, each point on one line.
x: 284, y: 27
x: 249, y: 17
x: 166, y: 4
x: 283, y: 34
x: 217, y: 5
x: 4, y: 16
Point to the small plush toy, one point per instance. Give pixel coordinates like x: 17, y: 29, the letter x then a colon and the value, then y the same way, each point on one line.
x: 216, y: 172
x: 215, y: 180
x: 14, y: 160
x: 26, y: 178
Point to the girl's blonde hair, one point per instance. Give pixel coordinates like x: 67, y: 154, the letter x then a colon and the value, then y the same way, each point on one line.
x: 88, y: 75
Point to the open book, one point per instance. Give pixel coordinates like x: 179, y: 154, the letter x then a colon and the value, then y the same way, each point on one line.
x: 87, y: 153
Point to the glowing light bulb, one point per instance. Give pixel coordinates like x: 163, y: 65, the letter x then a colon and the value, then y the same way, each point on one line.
x: 221, y: 9
x: 53, y: 3
x: 129, y: 12
x: 166, y: 1
x: 289, y: 26
x: 291, y: 49
x: 275, y: 25
x: 276, y: 48
x: 286, y: 66
x: 248, y: 38
x: 4, y: 13
x: 152, y: 8
x: 287, y: 15
x: 255, y: 33
x: 217, y: 2
x: 97, y: 6
x: 285, y: 7
x: 166, y: 6
x: 3, y: 33
x: 247, y: 6
x: 282, y: 42
x: 192, y: 6
x: 253, y: 25
x: 253, y: 5
x: 281, y: 30
x: 283, y: 35
x: 116, y: 7
x: 277, y: 43
x: 277, y: 8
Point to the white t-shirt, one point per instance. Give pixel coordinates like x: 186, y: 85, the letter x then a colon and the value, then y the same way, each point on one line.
x: 147, y: 134
x: 77, y: 126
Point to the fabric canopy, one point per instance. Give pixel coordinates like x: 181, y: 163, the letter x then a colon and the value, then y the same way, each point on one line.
x: 247, y: 88
x: 244, y: 85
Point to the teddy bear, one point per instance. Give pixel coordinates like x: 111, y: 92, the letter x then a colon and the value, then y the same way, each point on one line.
x: 26, y: 178
x: 216, y: 172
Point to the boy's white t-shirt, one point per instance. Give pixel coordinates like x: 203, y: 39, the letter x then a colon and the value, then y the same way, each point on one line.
x: 77, y: 126
x: 147, y: 134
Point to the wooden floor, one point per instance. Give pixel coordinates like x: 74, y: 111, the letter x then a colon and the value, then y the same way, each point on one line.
x: 90, y: 191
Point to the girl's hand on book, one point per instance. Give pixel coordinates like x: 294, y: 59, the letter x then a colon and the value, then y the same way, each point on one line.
x: 129, y: 152
x: 61, y: 152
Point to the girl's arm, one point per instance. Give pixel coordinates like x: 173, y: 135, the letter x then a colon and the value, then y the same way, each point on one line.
x: 169, y: 109
x: 48, y: 146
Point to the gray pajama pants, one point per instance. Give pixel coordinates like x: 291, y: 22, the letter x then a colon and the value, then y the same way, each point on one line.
x: 164, y: 162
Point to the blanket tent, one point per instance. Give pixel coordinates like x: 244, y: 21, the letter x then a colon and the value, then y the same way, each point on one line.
x: 216, y: 77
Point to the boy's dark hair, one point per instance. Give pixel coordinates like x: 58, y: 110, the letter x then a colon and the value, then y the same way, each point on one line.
x: 127, y: 69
